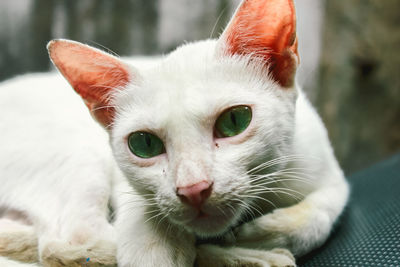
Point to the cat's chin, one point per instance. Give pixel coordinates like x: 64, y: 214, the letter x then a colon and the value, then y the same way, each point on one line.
x: 211, y: 220
x: 207, y: 225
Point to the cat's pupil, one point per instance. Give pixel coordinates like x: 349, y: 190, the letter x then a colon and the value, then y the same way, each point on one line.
x: 147, y: 139
x: 233, y: 118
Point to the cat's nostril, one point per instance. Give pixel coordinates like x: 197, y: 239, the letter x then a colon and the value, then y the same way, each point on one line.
x: 195, y: 195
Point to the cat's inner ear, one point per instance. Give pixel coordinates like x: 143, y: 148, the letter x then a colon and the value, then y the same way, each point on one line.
x: 94, y: 75
x: 265, y: 29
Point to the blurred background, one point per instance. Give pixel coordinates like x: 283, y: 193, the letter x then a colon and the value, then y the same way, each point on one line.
x: 350, y: 64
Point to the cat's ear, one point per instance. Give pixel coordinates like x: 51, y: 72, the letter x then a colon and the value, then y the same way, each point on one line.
x: 265, y: 29
x: 94, y: 75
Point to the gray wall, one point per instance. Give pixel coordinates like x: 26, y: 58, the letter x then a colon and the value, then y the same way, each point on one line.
x: 359, y: 83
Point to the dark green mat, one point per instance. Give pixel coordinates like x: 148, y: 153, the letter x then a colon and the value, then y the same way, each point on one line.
x: 368, y: 233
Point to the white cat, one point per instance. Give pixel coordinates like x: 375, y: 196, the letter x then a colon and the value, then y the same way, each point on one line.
x: 213, y: 141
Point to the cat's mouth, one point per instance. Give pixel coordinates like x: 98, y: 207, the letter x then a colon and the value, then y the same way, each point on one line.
x: 208, y: 225
x: 202, y: 215
x: 208, y: 221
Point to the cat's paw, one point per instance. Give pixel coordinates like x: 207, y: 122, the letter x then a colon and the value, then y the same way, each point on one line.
x: 99, y: 253
x: 18, y: 241
x: 215, y: 256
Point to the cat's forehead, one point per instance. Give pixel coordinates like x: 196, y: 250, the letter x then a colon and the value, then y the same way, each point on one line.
x: 195, y: 71
x: 192, y: 84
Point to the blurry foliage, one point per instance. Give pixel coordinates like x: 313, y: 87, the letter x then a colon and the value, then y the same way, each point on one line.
x: 359, y: 85
x: 105, y: 22
x: 127, y: 27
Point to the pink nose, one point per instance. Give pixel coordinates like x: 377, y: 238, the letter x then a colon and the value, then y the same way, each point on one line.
x: 196, y: 194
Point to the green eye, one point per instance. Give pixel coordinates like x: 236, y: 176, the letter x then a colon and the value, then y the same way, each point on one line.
x: 233, y: 121
x: 145, y: 145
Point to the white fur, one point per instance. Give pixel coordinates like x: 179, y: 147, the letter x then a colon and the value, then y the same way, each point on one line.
x: 181, y: 110
x: 58, y: 172
x: 10, y: 263
x: 56, y: 165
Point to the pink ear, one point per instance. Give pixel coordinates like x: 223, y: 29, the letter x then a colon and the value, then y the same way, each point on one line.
x: 266, y: 29
x: 92, y: 73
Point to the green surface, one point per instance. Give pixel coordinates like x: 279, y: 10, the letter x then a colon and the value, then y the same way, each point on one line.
x: 368, y: 233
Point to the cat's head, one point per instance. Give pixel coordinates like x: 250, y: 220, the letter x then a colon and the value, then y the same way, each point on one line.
x: 188, y: 131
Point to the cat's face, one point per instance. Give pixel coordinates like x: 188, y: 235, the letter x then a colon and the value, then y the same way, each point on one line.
x: 179, y: 101
x: 167, y: 123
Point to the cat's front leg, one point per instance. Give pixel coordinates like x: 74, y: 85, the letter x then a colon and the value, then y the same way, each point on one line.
x: 142, y: 245
x: 299, y: 228
x: 80, y: 234
x: 216, y: 256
